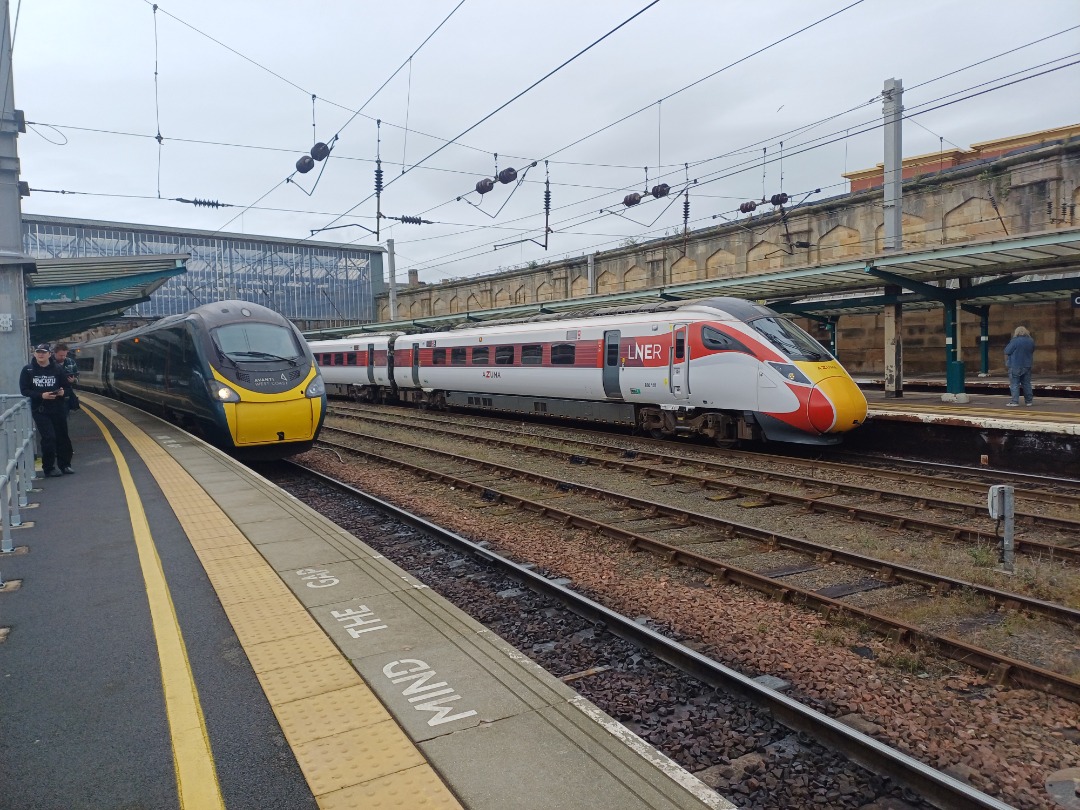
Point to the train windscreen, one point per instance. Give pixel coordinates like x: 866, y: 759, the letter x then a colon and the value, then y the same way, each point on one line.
x: 790, y: 339
x: 257, y: 342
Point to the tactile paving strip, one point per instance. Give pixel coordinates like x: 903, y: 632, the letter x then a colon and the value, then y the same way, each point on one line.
x: 351, y: 751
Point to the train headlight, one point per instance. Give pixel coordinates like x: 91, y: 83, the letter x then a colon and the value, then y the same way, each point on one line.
x: 222, y: 393
x: 790, y: 372
x: 315, y: 388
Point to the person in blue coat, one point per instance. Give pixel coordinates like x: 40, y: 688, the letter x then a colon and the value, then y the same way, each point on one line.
x: 1019, y: 354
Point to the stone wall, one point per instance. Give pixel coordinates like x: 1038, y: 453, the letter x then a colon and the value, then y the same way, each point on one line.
x: 1033, y: 191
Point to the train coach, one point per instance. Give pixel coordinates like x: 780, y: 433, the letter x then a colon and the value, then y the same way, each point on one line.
x: 723, y: 368
x: 234, y: 373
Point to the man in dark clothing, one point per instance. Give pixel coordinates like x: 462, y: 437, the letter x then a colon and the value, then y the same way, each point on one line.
x: 1019, y: 355
x: 71, y: 369
x: 43, y: 381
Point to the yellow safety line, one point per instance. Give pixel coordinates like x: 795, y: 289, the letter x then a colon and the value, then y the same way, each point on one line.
x: 196, y: 775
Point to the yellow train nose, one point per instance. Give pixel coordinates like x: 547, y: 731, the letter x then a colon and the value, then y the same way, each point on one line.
x: 836, y: 405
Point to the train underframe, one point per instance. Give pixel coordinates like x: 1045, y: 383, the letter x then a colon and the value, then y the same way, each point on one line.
x: 725, y: 428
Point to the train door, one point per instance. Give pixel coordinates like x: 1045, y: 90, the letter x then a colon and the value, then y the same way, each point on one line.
x: 611, y: 364
x: 679, y: 366
x: 371, y: 363
x: 416, y: 365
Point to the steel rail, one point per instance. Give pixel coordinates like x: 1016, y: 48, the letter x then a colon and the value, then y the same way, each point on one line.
x: 787, y: 454
x: 939, y: 789
x: 811, y: 503
x: 1001, y: 669
x: 665, y: 456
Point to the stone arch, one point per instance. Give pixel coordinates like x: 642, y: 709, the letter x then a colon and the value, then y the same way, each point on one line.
x: 913, y: 236
x: 764, y: 256
x: 972, y: 219
x: 607, y: 283
x: 684, y: 271
x: 521, y: 295
x: 579, y: 287
x: 720, y: 265
x: 416, y: 310
x: 439, y: 307
x: 455, y: 305
x: 502, y: 298
x: 635, y: 278
x: 545, y: 292
x: 474, y: 304
x: 384, y: 312
x: 840, y: 243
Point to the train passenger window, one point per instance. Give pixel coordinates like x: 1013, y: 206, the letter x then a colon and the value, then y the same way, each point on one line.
x: 457, y: 356
x: 438, y: 357
x: 532, y: 354
x: 716, y: 340
x: 680, y: 345
x: 480, y: 355
x: 562, y: 354
x: 339, y: 359
x: 504, y: 355
x: 85, y: 363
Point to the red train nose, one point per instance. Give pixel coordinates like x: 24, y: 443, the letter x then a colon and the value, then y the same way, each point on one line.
x: 820, y: 411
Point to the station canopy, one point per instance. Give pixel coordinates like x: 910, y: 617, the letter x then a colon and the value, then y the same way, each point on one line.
x: 65, y: 296
x: 1011, y: 270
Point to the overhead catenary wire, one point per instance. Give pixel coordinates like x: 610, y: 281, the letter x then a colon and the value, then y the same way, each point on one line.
x: 506, y: 104
x: 724, y: 174
x: 359, y: 110
x: 487, y: 226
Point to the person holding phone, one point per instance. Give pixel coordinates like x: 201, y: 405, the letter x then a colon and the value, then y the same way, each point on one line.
x: 44, y: 382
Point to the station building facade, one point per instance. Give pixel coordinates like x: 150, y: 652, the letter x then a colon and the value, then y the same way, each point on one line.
x: 314, y: 284
x: 1014, y: 186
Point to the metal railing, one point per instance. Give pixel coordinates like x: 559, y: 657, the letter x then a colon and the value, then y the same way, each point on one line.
x: 17, y: 451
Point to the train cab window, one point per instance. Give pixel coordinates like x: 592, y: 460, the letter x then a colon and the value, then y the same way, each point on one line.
x: 532, y: 354
x: 790, y: 339
x: 504, y: 355
x: 438, y: 357
x: 258, y: 343
x: 717, y: 341
x: 562, y: 354
x: 480, y: 355
x: 457, y: 356
x: 339, y: 359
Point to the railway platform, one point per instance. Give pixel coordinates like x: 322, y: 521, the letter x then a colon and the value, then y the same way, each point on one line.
x: 1043, y: 438
x: 182, y: 633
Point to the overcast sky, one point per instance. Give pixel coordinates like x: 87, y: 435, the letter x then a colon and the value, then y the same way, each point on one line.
x: 233, y: 130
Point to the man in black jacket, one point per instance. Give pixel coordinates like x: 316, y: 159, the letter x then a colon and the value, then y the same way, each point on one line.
x: 44, y: 382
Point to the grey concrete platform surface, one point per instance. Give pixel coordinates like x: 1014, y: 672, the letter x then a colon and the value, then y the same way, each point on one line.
x: 496, y: 729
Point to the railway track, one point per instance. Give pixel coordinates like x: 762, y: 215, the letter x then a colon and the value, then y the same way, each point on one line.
x: 929, y: 784
x: 810, y: 493
x: 701, y: 540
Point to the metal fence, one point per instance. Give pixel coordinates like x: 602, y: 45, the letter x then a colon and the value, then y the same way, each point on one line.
x: 17, y: 446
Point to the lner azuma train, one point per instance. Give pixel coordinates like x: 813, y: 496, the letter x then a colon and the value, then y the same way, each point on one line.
x: 723, y: 368
x: 234, y: 373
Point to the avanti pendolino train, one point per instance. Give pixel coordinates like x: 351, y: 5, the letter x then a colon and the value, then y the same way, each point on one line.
x: 723, y: 368
x: 236, y: 374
